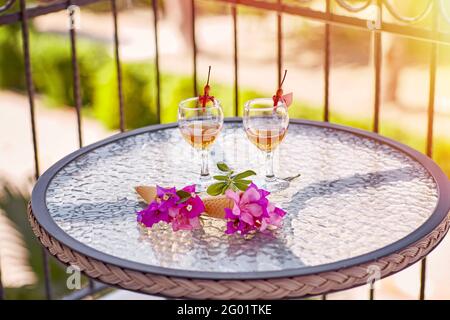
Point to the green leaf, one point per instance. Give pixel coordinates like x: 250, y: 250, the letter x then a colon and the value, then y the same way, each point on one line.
x: 247, y: 182
x: 241, y: 186
x: 225, y: 188
x: 223, y: 166
x: 244, y: 174
x: 183, y: 194
x: 216, y: 188
x: 183, y: 200
x: 222, y: 178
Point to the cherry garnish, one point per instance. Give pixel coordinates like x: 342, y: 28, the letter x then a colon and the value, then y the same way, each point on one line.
x: 206, y: 97
x: 279, y: 94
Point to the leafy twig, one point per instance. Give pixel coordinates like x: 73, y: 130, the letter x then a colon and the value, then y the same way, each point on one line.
x: 291, y: 178
x: 229, y: 180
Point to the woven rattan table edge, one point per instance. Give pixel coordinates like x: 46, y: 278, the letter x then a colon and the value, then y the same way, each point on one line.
x: 276, y: 288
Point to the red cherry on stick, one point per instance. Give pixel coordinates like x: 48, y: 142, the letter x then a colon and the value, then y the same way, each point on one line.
x: 287, y: 98
x: 206, y: 97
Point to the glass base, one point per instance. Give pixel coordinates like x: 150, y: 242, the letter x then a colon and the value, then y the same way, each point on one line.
x: 274, y: 185
x: 202, y: 183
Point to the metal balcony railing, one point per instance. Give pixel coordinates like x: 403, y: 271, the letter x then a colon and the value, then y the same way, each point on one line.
x: 400, y: 25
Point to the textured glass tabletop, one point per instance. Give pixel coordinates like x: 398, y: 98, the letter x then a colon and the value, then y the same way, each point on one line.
x: 355, y: 195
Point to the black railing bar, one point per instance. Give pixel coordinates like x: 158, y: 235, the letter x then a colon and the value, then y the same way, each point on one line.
x: 430, y: 125
x: 279, y: 43
x: 377, y: 81
x: 235, y: 60
x: 2, y: 293
x: 29, y: 84
x: 340, y: 20
x: 7, y: 4
x: 43, y: 10
x: 30, y: 93
x: 91, y: 285
x: 194, y: 49
x: 377, y: 56
x: 47, y: 282
x: 118, y: 65
x: 423, y: 272
x: 87, y: 291
x: 158, y: 85
x: 75, y: 69
x: 326, y: 66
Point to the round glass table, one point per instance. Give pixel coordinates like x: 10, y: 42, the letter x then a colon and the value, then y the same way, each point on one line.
x: 364, y: 204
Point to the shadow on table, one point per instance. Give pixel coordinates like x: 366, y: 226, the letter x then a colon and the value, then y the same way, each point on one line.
x: 343, y: 185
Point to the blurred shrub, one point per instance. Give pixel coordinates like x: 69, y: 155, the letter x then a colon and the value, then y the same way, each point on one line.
x: 52, y: 68
x: 51, y: 65
x: 11, y: 59
x: 138, y: 88
x: 173, y: 89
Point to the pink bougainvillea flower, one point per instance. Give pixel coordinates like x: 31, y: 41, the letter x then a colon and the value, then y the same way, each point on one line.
x: 154, y: 213
x: 167, y: 207
x: 158, y: 210
x: 274, y: 219
x: 194, y: 206
x: 186, y: 214
x: 166, y: 197
x: 251, y: 211
x: 182, y: 221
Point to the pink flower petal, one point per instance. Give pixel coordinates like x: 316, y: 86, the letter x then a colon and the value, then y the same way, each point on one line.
x: 280, y: 212
x: 247, y: 217
x: 275, y: 220
x: 229, y: 214
x: 230, y: 194
x: 195, y: 223
x: 250, y: 195
x: 173, y: 212
x: 263, y: 225
x: 189, y: 189
x: 254, y: 209
x: 236, y: 210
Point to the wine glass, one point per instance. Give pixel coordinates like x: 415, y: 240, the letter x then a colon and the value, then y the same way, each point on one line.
x: 200, y: 126
x: 266, y: 126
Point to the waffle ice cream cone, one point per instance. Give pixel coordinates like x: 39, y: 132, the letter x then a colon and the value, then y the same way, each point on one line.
x: 214, y: 206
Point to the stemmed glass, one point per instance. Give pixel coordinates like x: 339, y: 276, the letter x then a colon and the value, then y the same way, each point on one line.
x: 266, y: 126
x: 200, y: 125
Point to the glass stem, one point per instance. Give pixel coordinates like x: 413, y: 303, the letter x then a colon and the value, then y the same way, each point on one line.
x: 269, y: 167
x: 204, y: 170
